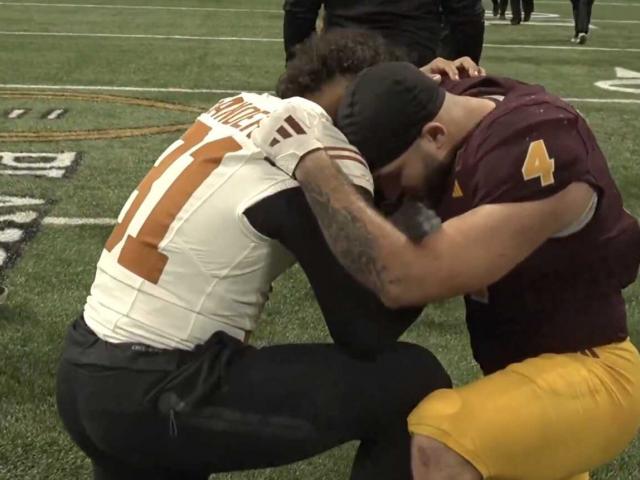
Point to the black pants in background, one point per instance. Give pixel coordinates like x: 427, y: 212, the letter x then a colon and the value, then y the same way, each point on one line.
x: 500, y: 6
x: 582, y: 15
x: 516, y: 8
x: 146, y: 414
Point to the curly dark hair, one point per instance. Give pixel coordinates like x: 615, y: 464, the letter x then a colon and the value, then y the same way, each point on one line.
x: 337, y: 52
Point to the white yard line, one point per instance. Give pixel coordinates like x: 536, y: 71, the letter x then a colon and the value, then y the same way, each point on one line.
x: 74, y: 222
x: 556, y: 21
x: 566, y: 23
x: 576, y: 48
x: 612, y: 4
x: 140, y: 7
x: 223, y: 9
x: 119, y: 89
x: 603, y: 100
x: 250, y: 39
x: 616, y: 21
x: 205, y: 90
x: 247, y: 10
x: 140, y: 35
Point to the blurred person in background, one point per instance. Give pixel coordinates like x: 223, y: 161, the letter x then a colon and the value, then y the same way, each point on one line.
x: 517, y: 9
x: 412, y: 25
x: 500, y: 8
x: 581, y: 19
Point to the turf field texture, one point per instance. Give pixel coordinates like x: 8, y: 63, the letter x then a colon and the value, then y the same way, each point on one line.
x: 191, y: 53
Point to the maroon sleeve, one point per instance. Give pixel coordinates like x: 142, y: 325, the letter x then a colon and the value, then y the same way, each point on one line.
x: 486, y: 86
x: 530, y: 153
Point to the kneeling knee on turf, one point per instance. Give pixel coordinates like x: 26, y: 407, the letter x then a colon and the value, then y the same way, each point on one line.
x: 432, y: 460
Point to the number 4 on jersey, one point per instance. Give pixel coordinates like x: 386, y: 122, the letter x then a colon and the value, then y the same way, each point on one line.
x: 538, y: 164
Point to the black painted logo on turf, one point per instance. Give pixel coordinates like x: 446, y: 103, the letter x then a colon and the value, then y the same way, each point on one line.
x: 52, y: 165
x: 20, y: 219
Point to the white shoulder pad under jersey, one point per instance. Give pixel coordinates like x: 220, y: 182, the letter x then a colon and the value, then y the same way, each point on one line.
x: 183, y: 261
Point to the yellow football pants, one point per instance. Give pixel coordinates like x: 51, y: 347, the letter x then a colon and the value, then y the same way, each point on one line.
x: 552, y: 417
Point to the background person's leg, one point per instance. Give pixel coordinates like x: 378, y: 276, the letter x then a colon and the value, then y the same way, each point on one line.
x: 574, y: 8
x: 503, y: 8
x: 516, y: 12
x: 587, y: 17
x: 527, y: 7
x: 584, y: 17
x: 496, y: 7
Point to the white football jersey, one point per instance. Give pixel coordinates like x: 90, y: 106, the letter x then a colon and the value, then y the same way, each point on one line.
x: 183, y: 261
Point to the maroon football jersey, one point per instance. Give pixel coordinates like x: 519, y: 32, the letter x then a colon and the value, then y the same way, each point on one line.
x: 567, y: 295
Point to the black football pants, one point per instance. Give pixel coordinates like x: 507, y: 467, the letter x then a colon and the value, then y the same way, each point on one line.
x: 582, y: 15
x: 139, y: 413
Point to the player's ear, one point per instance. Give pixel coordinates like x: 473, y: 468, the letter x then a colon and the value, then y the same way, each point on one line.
x: 435, y: 133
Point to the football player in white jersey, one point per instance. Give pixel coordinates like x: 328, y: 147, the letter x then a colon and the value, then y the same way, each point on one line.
x: 157, y: 380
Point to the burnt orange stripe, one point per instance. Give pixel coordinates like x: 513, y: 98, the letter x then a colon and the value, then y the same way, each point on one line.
x: 284, y: 133
x: 144, y: 257
x: 293, y: 123
x: 352, y: 158
x: 343, y: 149
x: 192, y: 137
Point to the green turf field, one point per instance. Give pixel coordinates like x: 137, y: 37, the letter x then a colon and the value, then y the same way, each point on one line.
x: 138, y: 47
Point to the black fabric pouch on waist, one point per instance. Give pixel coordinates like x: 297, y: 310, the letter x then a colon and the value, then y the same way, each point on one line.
x: 197, y: 377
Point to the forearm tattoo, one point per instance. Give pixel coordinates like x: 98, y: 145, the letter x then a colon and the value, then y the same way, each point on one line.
x: 348, y: 236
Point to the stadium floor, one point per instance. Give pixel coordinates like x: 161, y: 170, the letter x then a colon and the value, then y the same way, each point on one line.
x: 100, y: 83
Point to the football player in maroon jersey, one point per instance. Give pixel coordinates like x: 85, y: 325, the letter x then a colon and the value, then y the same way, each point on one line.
x: 535, y: 237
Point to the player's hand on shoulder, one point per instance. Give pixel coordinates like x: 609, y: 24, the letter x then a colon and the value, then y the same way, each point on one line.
x: 290, y: 132
x: 468, y: 68
x: 454, y: 69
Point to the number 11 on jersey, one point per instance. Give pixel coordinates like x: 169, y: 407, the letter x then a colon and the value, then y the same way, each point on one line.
x: 140, y: 253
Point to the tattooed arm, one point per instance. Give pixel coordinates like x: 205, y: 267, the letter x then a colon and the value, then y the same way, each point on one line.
x: 467, y: 253
x: 359, y: 237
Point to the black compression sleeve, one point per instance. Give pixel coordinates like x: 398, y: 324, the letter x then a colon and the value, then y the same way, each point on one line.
x: 356, y: 318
